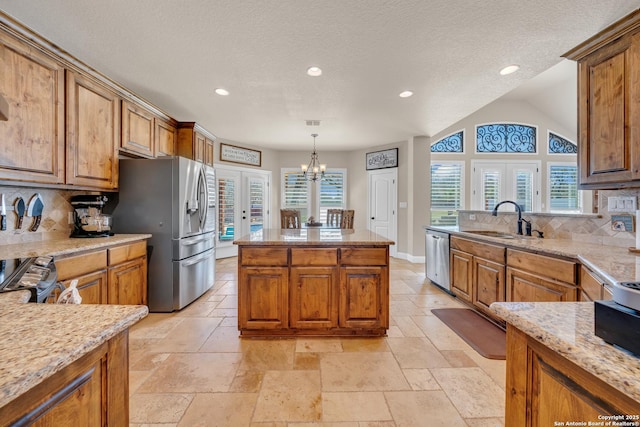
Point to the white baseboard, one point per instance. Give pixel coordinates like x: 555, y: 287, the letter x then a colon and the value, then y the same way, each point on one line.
x: 411, y: 258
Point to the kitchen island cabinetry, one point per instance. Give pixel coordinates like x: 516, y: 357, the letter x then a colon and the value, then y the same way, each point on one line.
x: 33, y: 136
x: 558, y: 370
x: 478, y: 272
x: 313, y: 282
x: 93, y: 133
x: 609, y: 106
x: 528, y: 280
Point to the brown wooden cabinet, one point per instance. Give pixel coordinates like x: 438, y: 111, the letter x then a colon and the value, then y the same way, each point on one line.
x: 93, y: 133
x: 592, y: 288
x: 92, y: 391
x: 166, y: 135
x: 116, y: 275
x: 538, y: 278
x: 138, y: 130
x: 544, y: 388
x: 313, y: 290
x: 477, y: 272
x: 33, y: 137
x: 609, y: 106
x: 195, y: 142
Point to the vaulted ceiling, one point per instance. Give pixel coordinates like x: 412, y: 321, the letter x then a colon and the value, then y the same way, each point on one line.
x: 175, y: 53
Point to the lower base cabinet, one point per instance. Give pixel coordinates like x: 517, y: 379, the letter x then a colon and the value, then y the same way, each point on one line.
x: 126, y: 282
x: 544, y: 388
x: 313, y: 291
x: 93, y: 391
x: 523, y: 286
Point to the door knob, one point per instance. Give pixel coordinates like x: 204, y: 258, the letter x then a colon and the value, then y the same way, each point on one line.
x: 372, y: 218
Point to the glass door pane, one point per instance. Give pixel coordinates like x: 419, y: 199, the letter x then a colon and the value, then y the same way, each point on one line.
x: 257, y: 206
x: 227, y: 189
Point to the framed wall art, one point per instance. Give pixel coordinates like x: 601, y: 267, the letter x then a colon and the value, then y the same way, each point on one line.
x: 235, y: 154
x: 382, y: 159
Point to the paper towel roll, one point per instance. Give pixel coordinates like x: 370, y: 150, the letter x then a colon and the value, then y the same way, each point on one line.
x: 637, y: 233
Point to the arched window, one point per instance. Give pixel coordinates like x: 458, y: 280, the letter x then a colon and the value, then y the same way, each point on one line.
x: 560, y: 145
x: 506, y: 138
x: 453, y: 143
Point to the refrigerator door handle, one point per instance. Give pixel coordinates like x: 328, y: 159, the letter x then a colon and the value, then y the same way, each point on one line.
x: 193, y: 242
x: 203, y: 196
x: 192, y: 262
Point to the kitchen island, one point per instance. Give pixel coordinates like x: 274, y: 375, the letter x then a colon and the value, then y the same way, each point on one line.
x: 64, y: 364
x: 319, y: 282
x: 559, y: 371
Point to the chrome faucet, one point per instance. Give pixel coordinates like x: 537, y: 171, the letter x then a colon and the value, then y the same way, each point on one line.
x: 495, y: 213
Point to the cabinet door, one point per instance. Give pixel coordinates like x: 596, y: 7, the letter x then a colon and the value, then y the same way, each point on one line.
x: 608, y: 98
x: 92, y: 287
x: 199, y: 147
x: 208, y: 152
x: 522, y: 286
x: 166, y: 138
x: 127, y: 282
x: 137, y: 130
x: 461, y: 274
x: 489, y: 284
x: 93, y: 134
x: 33, y: 136
x: 263, y: 298
x: 314, y: 297
x: 364, y: 296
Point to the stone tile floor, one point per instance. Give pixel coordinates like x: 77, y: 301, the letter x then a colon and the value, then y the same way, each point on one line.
x: 190, y: 368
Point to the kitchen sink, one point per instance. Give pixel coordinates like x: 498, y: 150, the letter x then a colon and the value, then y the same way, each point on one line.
x: 492, y: 233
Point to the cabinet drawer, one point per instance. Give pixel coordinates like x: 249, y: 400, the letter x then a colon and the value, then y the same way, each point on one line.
x: 364, y: 256
x: 267, y: 256
x: 590, y: 285
x: 78, y: 265
x: 555, y: 268
x: 485, y: 250
x: 124, y: 253
x: 314, y: 256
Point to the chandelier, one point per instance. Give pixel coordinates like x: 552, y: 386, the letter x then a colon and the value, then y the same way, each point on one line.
x: 314, y: 171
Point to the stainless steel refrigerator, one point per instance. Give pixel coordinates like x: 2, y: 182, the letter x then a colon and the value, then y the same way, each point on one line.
x: 173, y: 199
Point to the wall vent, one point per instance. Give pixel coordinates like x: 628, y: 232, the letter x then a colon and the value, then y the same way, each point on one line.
x: 313, y: 122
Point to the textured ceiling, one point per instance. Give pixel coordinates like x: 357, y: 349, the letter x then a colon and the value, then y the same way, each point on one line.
x: 175, y: 53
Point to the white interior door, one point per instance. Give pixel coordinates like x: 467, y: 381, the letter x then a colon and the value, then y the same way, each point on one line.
x: 383, y: 191
x: 243, y: 206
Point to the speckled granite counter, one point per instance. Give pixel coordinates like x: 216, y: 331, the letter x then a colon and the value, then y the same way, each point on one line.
x: 613, y: 264
x: 567, y: 328
x: 319, y: 237
x: 38, y: 340
x: 65, y: 246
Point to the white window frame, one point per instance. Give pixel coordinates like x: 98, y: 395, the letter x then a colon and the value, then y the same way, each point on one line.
x: 506, y: 169
x: 313, y: 193
x: 462, y: 165
x: 579, y: 209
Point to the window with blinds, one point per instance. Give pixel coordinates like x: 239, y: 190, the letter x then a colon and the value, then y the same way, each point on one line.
x: 332, y: 193
x: 446, y: 192
x: 295, y: 192
x: 491, y: 187
x: 226, y: 212
x: 563, y: 187
x: 524, y: 190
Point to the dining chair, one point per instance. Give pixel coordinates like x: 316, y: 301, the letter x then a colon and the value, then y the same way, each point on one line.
x: 347, y: 218
x: 334, y: 218
x: 289, y: 218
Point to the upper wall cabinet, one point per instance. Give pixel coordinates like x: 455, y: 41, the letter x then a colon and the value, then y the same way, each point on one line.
x: 194, y: 142
x: 137, y: 130
x: 33, y: 136
x: 93, y: 133
x: 166, y: 135
x: 609, y: 106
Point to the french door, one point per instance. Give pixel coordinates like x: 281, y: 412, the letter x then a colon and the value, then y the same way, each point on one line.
x: 243, y: 205
x: 494, y: 182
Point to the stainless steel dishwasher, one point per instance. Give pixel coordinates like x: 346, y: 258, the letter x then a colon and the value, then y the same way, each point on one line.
x: 437, y: 258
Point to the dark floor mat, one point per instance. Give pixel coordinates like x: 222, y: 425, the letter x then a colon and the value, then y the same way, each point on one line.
x: 485, y: 337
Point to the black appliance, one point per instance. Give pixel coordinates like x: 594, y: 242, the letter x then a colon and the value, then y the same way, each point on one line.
x: 89, y: 221
x: 618, y: 321
x: 37, y: 275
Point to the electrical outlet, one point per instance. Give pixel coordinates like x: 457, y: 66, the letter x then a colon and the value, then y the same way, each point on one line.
x: 472, y: 217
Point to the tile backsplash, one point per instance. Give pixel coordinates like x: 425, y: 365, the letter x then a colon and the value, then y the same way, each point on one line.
x: 594, y: 228
x: 54, y: 223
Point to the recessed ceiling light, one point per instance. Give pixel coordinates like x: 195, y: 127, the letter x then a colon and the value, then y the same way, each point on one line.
x: 405, y: 94
x: 222, y: 92
x: 314, y: 71
x: 509, y: 69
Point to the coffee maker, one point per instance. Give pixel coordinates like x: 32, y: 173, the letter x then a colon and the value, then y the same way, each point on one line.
x: 89, y: 221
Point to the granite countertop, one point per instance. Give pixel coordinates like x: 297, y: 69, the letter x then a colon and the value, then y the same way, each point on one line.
x: 567, y: 328
x: 39, y: 340
x: 65, y: 246
x: 315, y: 236
x: 612, y: 263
